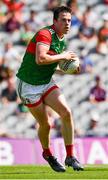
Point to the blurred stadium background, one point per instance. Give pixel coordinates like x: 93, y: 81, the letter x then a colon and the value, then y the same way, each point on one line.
x: 19, y: 20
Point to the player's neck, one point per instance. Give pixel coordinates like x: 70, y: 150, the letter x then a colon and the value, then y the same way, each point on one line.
x: 59, y: 35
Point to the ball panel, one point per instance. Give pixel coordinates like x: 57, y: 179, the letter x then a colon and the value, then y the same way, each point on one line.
x: 69, y: 67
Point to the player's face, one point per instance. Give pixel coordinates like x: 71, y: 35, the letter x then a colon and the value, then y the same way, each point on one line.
x: 63, y: 23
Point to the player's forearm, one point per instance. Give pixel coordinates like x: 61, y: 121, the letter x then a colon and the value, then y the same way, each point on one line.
x: 49, y: 59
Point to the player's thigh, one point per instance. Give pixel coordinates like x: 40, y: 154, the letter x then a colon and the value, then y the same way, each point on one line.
x: 40, y: 114
x: 57, y: 101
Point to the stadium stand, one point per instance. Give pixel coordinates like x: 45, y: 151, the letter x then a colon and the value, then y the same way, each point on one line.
x: 17, y: 122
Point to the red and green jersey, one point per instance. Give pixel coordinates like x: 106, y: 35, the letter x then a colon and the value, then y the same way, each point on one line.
x: 29, y: 71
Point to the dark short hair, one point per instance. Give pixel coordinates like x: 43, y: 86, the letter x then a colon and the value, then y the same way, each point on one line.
x: 97, y: 78
x: 59, y: 10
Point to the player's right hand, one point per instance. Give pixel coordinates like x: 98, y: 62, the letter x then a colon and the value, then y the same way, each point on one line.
x: 69, y: 55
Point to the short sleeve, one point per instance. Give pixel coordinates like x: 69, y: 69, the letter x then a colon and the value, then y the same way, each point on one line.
x: 44, y: 36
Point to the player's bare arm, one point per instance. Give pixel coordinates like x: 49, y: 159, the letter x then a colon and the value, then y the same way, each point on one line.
x: 42, y: 56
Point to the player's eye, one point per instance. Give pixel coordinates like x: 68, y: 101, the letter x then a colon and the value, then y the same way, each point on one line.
x: 69, y: 20
x: 63, y: 20
x: 66, y: 20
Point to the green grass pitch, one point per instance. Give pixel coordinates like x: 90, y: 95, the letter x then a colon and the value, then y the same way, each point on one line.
x: 45, y: 172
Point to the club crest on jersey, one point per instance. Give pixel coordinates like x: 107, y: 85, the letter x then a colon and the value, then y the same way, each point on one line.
x: 25, y: 100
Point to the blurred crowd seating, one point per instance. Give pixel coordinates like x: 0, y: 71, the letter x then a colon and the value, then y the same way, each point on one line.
x: 88, y: 38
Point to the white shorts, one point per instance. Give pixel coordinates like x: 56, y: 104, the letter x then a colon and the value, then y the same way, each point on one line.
x: 32, y: 95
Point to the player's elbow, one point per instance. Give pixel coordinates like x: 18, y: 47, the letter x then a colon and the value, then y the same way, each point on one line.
x: 40, y: 60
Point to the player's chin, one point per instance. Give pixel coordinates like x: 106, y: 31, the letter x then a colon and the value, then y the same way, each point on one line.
x: 66, y: 31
